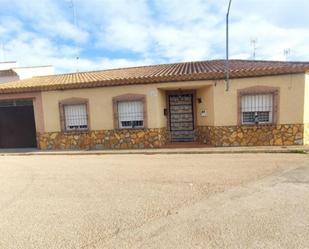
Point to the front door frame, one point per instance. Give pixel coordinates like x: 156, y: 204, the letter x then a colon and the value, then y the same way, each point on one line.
x: 180, y: 92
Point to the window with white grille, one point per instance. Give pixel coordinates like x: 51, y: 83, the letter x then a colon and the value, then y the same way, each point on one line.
x: 257, y: 108
x: 75, y: 117
x: 131, y: 114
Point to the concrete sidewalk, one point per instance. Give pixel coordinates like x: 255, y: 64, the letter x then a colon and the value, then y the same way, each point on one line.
x: 197, y: 150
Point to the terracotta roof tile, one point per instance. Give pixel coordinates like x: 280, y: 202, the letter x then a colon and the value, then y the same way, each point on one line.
x: 200, y: 70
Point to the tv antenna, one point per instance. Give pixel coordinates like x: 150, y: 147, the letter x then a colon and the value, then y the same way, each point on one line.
x: 287, y: 53
x: 72, y: 6
x: 253, y: 42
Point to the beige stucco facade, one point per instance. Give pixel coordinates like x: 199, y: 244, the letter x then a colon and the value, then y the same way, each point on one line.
x: 219, y: 104
x: 306, y: 110
x: 218, y: 126
x: 306, y: 99
x: 100, y: 103
x: 291, y: 98
x: 206, y: 94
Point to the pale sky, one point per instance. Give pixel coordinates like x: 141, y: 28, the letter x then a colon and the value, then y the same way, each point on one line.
x: 120, y: 33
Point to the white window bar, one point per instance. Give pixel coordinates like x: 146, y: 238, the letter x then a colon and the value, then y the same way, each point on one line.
x: 131, y: 114
x: 257, y: 108
x: 75, y: 117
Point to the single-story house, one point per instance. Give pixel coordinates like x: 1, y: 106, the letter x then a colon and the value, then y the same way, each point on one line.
x: 267, y: 103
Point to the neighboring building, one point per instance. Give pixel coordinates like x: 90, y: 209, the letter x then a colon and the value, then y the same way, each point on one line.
x: 10, y: 71
x: 147, y: 107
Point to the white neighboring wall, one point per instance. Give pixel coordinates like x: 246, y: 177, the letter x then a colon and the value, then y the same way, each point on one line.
x: 29, y: 72
x: 8, y: 65
x: 9, y: 71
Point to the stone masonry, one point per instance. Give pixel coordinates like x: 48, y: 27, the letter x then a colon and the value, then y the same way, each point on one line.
x: 106, y: 139
x: 252, y: 135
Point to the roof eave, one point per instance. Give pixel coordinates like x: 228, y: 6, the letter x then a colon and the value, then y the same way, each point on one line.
x: 149, y: 80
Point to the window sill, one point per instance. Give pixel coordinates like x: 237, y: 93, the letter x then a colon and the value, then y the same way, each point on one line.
x: 139, y: 128
x: 259, y: 124
x: 76, y: 132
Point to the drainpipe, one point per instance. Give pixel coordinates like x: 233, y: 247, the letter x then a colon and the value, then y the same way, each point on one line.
x: 227, y: 66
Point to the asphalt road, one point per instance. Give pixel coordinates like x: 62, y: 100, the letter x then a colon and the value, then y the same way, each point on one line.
x: 155, y: 201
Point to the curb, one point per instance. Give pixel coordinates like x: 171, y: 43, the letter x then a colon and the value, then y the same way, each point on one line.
x: 169, y: 152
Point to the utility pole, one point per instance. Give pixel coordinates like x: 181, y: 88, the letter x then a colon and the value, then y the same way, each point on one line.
x: 227, y: 66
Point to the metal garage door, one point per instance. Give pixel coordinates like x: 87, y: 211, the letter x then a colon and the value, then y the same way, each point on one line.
x: 17, y: 125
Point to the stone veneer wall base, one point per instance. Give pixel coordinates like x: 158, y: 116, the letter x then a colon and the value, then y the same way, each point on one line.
x: 252, y: 135
x: 255, y: 135
x: 103, y: 139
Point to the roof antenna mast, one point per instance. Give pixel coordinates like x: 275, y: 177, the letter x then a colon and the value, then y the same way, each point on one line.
x: 72, y: 5
x: 253, y: 42
x: 286, y: 53
x: 227, y: 66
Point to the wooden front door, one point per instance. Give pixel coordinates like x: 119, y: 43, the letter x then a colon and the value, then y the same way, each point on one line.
x: 181, y: 117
